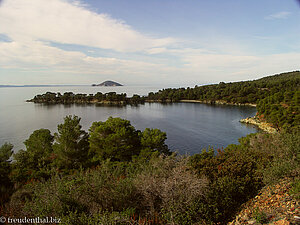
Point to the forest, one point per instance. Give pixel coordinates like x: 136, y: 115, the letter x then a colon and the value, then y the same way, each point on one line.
x: 277, y: 97
x: 236, y: 92
x: 110, y: 98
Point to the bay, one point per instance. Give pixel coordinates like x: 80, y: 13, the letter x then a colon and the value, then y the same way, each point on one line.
x: 190, y: 127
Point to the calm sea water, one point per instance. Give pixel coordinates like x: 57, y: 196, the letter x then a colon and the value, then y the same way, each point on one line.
x: 190, y: 127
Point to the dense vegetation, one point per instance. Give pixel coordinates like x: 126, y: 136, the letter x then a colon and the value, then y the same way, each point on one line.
x: 236, y: 92
x: 72, y: 148
x: 115, y: 174
x: 281, y: 109
x: 277, y: 97
x: 111, y: 98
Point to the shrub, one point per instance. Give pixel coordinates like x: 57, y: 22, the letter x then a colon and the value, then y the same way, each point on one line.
x: 234, y: 176
x: 260, y: 216
x: 112, y: 218
x: 286, y: 157
x: 161, y: 188
x: 295, y: 190
x: 5, y: 168
x: 103, y: 189
x: 168, y: 186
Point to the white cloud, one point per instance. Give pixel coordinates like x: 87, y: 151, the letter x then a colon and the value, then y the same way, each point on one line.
x: 194, y: 66
x: 32, y: 25
x: 217, y: 67
x: 63, y: 67
x: 157, y: 50
x: 37, y: 54
x: 71, y: 23
x: 279, y: 15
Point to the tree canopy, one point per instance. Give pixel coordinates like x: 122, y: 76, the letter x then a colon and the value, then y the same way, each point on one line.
x: 71, y: 144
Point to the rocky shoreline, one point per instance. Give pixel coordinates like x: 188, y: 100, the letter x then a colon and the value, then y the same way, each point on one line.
x: 250, y: 120
x: 218, y: 102
x: 261, y: 125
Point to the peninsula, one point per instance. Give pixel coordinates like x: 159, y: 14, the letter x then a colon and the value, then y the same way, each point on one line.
x: 275, y: 98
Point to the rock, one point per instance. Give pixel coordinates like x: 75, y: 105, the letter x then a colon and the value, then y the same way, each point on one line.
x: 252, y: 221
x: 282, y: 222
x: 262, y: 125
x: 245, y: 217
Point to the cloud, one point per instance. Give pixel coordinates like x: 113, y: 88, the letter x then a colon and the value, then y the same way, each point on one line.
x: 38, y: 55
x: 216, y: 67
x: 46, y: 64
x: 279, y: 15
x: 27, y: 29
x: 70, y: 22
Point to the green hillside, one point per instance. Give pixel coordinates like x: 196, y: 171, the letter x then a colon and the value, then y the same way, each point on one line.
x: 276, y: 97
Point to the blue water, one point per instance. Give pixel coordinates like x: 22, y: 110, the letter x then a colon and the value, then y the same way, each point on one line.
x: 190, y: 127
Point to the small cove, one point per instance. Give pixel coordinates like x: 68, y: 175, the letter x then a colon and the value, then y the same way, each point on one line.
x: 190, y: 127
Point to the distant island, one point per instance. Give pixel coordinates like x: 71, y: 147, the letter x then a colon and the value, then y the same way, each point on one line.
x: 108, y: 83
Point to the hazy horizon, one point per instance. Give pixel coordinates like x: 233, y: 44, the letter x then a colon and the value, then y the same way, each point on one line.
x: 138, y: 85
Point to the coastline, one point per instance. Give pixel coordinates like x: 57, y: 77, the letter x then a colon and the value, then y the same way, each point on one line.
x: 261, y: 125
x: 250, y: 120
x: 218, y: 102
x: 117, y: 103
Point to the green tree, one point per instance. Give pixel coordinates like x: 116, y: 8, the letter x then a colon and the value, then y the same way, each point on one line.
x: 71, y: 147
x: 5, y: 168
x: 116, y: 139
x: 154, y: 140
x: 36, y: 161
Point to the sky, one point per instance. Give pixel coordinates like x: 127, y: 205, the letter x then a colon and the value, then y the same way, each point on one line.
x: 142, y: 42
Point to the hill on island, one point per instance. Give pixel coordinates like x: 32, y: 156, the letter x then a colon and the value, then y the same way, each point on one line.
x: 108, y: 83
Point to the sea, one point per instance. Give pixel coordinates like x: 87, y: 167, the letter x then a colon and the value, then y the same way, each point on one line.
x: 190, y: 127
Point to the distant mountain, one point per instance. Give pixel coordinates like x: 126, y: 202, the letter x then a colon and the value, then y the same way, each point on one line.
x: 108, y: 83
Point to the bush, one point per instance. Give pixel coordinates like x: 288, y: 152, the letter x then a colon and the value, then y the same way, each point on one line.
x: 103, y: 189
x: 162, y: 188
x: 295, y: 191
x: 260, y: 216
x: 234, y: 176
x: 112, y: 218
x: 237, y: 173
x: 169, y: 187
x: 5, y: 168
x: 286, y: 157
